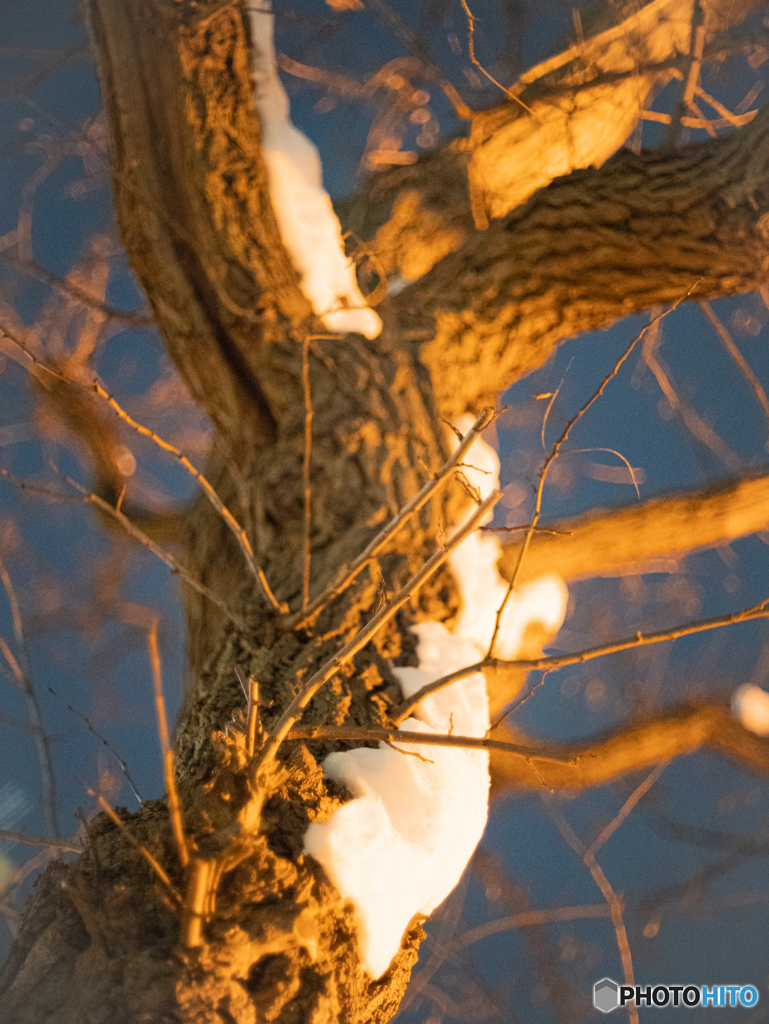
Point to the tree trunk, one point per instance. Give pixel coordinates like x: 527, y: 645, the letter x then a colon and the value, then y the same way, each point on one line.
x: 252, y: 930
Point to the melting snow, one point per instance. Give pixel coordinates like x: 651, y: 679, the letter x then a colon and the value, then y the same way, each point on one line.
x: 308, y: 225
x: 400, y: 846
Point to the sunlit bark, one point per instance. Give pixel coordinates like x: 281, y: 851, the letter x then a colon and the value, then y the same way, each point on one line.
x: 632, y: 748
x: 653, y: 534
x: 255, y: 931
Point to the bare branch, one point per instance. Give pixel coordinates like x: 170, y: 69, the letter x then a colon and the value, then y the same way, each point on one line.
x: 152, y: 861
x: 555, y: 452
x: 23, y: 676
x: 174, y: 806
x: 348, y: 733
x: 97, y: 388
x: 73, y: 291
x: 738, y: 357
x: 133, y: 531
x: 637, y: 746
x: 58, y: 844
x: 613, y: 901
x: 556, y: 661
x: 306, y: 473
x: 634, y: 234
x: 633, y: 539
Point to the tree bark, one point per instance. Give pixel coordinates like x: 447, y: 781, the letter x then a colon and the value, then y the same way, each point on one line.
x: 593, y: 247
x: 252, y: 930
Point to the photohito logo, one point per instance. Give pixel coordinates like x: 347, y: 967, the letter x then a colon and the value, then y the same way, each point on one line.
x: 608, y: 995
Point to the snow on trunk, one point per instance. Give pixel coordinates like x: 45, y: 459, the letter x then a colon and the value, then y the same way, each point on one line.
x: 400, y: 846
x: 308, y: 225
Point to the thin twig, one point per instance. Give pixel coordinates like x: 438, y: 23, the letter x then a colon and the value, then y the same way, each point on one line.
x: 81, y: 817
x: 418, y: 48
x: 511, y: 95
x: 612, y: 900
x: 528, y: 919
x: 174, y: 806
x: 737, y: 356
x: 98, y: 735
x: 525, y: 526
x: 97, y: 388
x: 349, y: 573
x: 72, y: 290
x: 758, y: 611
x: 250, y: 688
x: 87, y: 497
x: 153, y: 863
x: 407, y: 753
x: 253, y: 725
x: 23, y: 677
x: 693, y: 422
x: 345, y: 733
x: 21, y: 837
x: 306, y: 474
x: 294, y: 711
x: 555, y: 452
x: 621, y: 816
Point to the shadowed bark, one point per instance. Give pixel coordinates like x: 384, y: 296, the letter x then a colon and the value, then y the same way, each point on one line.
x: 253, y: 930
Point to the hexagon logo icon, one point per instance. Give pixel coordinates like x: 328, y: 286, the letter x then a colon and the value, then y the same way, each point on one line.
x: 606, y: 995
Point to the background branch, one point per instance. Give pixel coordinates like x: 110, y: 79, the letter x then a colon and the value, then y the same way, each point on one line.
x: 634, y: 746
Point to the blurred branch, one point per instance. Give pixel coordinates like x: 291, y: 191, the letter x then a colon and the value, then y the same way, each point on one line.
x: 72, y: 291
x: 175, y: 566
x: 699, y: 429
x: 418, y: 49
x: 21, y: 837
x: 22, y: 673
x: 635, y: 746
x: 97, y: 388
x: 744, y: 366
x: 613, y: 901
x: 628, y: 540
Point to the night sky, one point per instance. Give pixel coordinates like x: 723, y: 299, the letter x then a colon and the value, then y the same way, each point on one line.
x: 703, y: 935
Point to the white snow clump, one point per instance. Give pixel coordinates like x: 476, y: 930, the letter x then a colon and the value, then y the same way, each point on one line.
x: 750, y: 705
x: 308, y: 225
x: 400, y: 846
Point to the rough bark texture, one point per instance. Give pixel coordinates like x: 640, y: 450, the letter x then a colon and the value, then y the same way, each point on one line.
x: 589, y: 249
x: 253, y: 931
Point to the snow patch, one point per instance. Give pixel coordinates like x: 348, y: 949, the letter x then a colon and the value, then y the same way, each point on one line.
x: 400, y: 846
x: 308, y: 225
x: 750, y: 705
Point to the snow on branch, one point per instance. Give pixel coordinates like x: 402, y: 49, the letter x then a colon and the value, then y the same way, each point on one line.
x: 308, y: 225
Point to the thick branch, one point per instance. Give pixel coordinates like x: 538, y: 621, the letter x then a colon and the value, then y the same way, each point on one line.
x: 631, y: 748
x: 589, y: 249
x: 191, y: 196
x: 661, y: 530
x: 572, y: 111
